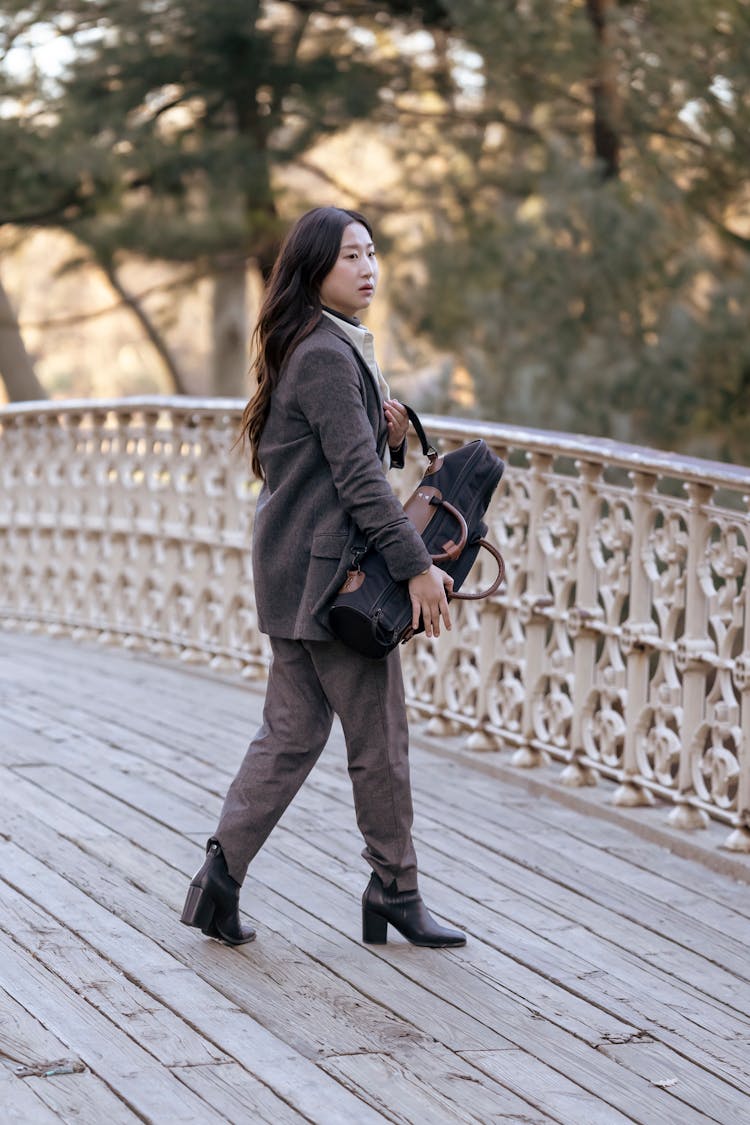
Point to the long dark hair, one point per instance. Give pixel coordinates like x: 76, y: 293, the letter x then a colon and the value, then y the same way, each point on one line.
x: 292, y: 308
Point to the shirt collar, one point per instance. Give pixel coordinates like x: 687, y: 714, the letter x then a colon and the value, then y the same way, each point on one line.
x: 341, y: 316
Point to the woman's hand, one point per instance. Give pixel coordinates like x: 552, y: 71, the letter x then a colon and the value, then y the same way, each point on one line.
x: 428, y: 599
x: 398, y: 422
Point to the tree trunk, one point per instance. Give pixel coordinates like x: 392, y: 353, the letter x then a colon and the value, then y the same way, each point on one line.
x: 148, y: 326
x: 230, y: 331
x: 16, y: 367
x: 604, y: 92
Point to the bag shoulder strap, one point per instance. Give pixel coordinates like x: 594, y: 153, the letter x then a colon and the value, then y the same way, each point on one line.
x: 428, y: 448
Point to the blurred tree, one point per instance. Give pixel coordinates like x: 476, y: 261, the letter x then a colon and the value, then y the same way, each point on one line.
x: 16, y: 367
x: 163, y: 133
x: 573, y: 223
x: 47, y: 177
x: 587, y: 241
x: 17, y: 192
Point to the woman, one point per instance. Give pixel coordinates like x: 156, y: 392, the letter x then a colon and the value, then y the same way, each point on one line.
x: 321, y: 429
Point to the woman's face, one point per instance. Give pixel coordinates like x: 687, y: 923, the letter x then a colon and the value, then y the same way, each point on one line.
x: 350, y: 286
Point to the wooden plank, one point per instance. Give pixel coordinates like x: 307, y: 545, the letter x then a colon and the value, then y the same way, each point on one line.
x: 587, y: 1022
x: 427, y: 1091
x: 21, y: 723
x: 512, y: 873
x: 730, y: 990
x: 618, y: 833
x: 484, y: 997
x: 599, y: 843
x: 516, y: 1106
x: 545, y: 851
x: 528, y: 1030
x: 170, y: 679
x: 577, y: 974
x: 147, y: 705
x: 289, y: 992
x: 175, y: 677
x: 550, y: 1001
x: 674, y: 944
x: 129, y: 783
x: 147, y: 1088
x: 682, y: 886
x: 170, y: 1040
x: 115, y: 951
x: 699, y: 1025
x: 226, y: 1023
x: 473, y: 1082
x: 688, y: 1083
x: 239, y: 1095
x: 80, y: 1096
x: 20, y: 1102
x: 399, y: 994
x: 173, y: 851
x: 671, y: 1015
x: 550, y: 1091
x: 532, y: 917
x: 519, y: 863
x: 23, y: 1040
x: 471, y: 1086
x: 638, y: 949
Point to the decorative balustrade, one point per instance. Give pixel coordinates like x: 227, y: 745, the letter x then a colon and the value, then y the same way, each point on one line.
x: 619, y: 645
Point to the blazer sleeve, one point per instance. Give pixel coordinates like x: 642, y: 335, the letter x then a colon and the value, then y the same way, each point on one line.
x: 329, y: 394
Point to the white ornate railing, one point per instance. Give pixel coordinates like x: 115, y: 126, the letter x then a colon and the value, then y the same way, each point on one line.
x: 619, y: 645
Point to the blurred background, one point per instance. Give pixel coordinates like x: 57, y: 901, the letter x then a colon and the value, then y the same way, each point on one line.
x: 559, y: 190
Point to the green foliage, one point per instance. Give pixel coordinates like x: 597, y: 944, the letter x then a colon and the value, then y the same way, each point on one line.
x: 164, y: 130
x: 577, y: 297
x: 574, y: 177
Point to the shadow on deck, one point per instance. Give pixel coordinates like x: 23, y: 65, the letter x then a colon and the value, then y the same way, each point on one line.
x: 606, y: 979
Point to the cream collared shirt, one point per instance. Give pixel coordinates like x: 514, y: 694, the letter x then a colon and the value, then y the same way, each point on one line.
x: 364, y: 342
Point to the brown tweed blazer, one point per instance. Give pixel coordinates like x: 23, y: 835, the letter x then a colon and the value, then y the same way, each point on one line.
x: 321, y: 454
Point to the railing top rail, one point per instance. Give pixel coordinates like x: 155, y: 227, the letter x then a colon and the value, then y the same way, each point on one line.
x: 579, y: 447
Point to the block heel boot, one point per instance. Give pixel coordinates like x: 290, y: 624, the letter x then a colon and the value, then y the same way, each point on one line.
x: 405, y: 911
x: 212, y: 903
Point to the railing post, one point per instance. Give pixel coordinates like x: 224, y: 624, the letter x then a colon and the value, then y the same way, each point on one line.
x: 528, y: 756
x: 586, y: 609
x: 694, y: 642
x: 738, y: 839
x: 638, y: 628
x: 489, y: 629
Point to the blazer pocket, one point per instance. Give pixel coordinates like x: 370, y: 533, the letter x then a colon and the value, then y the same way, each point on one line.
x: 328, y: 545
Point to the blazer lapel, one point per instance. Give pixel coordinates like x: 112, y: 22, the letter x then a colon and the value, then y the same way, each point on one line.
x: 380, y: 428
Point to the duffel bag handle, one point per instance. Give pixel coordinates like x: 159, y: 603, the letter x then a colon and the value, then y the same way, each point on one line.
x: 451, y: 550
x: 490, y: 589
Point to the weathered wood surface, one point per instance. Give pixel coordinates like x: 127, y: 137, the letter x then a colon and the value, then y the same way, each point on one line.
x: 605, y: 980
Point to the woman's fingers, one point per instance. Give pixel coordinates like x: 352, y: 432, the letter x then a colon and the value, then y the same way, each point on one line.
x: 398, y: 421
x: 431, y: 618
x: 429, y: 600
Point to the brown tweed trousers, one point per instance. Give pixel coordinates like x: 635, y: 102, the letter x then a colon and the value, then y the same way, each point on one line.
x: 321, y: 453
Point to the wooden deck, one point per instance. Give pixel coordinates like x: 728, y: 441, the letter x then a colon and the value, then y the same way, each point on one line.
x: 605, y: 979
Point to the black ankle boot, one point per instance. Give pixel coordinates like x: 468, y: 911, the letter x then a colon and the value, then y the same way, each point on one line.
x: 213, y: 899
x: 405, y: 911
